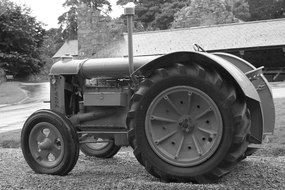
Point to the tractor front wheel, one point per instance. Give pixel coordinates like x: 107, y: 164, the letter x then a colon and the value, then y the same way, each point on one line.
x: 49, y: 143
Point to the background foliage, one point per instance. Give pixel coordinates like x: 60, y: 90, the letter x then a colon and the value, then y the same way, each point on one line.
x: 266, y: 9
x: 166, y: 14
x: 68, y: 20
x: 203, y: 12
x: 26, y: 48
x: 21, y: 37
x: 155, y: 14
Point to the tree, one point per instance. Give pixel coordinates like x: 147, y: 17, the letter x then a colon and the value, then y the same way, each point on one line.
x: 240, y: 9
x: 68, y: 23
x: 266, y: 9
x: 21, y: 37
x: 203, y: 12
x: 53, y: 40
x: 68, y: 20
x: 165, y: 17
x: 155, y: 14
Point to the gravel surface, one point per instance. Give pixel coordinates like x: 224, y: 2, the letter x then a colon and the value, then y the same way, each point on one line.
x: 124, y: 172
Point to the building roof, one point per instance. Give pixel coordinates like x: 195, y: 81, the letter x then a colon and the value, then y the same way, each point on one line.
x: 256, y: 34
x: 219, y: 37
x: 69, y: 47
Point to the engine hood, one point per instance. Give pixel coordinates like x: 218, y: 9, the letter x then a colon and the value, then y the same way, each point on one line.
x: 89, y: 68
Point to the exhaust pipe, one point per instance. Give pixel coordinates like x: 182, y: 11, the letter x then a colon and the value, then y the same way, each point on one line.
x: 129, y: 11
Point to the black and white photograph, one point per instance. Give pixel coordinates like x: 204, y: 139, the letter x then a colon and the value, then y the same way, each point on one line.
x: 142, y: 94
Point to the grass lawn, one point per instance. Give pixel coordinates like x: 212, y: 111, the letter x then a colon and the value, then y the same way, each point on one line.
x: 10, y: 92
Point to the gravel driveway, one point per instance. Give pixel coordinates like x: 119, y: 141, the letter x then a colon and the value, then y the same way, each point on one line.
x: 124, y: 172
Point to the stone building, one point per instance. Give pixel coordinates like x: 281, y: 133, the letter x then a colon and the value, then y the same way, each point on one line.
x: 94, y: 32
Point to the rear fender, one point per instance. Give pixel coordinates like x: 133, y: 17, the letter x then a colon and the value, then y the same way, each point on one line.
x: 229, y: 72
x: 263, y: 89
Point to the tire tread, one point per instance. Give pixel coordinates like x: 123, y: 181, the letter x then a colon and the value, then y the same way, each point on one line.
x: 241, y: 125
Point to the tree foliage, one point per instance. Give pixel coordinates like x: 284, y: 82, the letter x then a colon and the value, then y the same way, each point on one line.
x: 21, y: 37
x: 159, y: 14
x: 203, y: 12
x: 240, y: 9
x: 155, y: 14
x: 53, y: 40
x: 68, y: 23
x: 164, y: 19
x: 266, y: 9
x: 68, y: 20
x: 95, y: 4
x: 162, y: 14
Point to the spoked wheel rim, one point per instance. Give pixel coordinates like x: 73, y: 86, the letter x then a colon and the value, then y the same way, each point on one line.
x: 46, y: 145
x: 183, y: 126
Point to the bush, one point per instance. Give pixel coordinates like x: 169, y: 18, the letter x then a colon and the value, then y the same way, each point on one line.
x: 21, y: 37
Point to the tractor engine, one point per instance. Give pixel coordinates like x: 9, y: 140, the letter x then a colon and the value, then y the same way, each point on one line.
x: 94, y: 106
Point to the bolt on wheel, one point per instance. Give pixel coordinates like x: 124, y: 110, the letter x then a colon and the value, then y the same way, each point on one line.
x: 190, y: 124
x: 49, y: 143
x: 46, y: 144
x: 183, y: 126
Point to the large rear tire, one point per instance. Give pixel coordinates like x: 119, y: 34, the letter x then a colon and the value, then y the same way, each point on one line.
x: 189, y: 124
x: 49, y: 143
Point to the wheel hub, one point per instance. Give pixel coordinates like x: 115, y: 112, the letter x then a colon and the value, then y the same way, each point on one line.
x: 186, y: 124
x: 46, y: 144
x: 183, y: 126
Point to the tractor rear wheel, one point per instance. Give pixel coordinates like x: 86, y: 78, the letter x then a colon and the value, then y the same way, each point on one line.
x: 103, y: 148
x: 189, y: 124
x: 49, y: 143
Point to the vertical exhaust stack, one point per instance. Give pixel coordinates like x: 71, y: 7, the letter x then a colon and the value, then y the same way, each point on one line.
x: 129, y: 11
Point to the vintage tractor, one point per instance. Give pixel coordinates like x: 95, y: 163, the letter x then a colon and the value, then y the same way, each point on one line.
x: 189, y: 116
